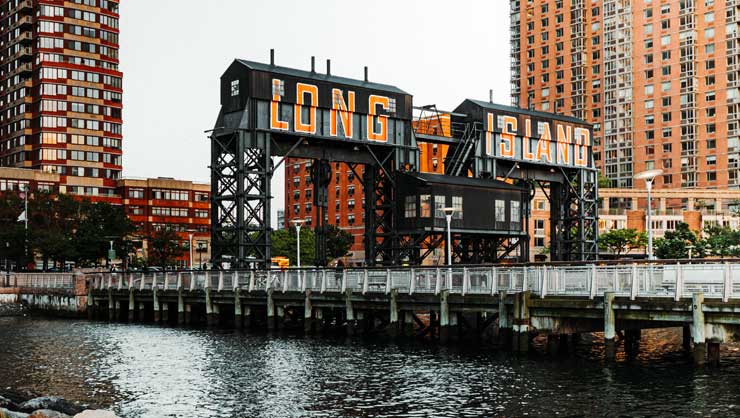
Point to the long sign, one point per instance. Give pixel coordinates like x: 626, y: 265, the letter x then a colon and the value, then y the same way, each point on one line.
x: 537, y: 140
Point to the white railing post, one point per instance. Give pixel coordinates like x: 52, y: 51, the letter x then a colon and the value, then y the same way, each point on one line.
x: 285, y: 280
x: 220, y: 281
x: 251, y: 281
x: 166, y: 280
x: 323, y: 280
x: 387, y: 281
x: 344, y: 280
x: 143, y: 280
x: 235, y: 280
x: 679, y: 282
x: 635, y: 284
x: 193, y: 279
x: 438, y: 285
x: 110, y: 281
x: 593, y: 282
x: 365, y: 283
x: 412, y: 285
x: 179, y: 281
x: 543, y: 284
x: 303, y: 276
x: 154, y: 281
x: 524, y: 279
x: 727, y: 288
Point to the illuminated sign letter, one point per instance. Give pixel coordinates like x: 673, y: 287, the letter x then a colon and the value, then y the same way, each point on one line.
x: 313, y: 91
x: 339, y: 106
x: 508, y: 132
x: 543, y: 145
x: 583, y: 140
x: 275, y: 122
x: 489, y: 134
x: 564, y: 139
x: 373, y: 135
x: 527, y: 141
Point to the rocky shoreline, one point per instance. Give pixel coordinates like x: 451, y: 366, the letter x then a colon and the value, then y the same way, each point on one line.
x: 12, y: 309
x: 15, y: 404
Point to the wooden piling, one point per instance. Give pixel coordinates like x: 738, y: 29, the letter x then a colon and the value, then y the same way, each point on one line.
x: 713, y: 353
x: 686, y: 338
x: 610, y: 349
x: 697, y: 329
x: 520, y: 326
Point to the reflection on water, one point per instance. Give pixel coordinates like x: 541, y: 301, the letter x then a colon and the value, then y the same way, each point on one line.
x: 148, y: 371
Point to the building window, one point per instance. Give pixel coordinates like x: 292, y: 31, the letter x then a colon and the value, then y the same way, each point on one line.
x: 457, y: 204
x: 425, y: 201
x: 439, y: 205
x: 500, y: 214
x: 234, y: 88
x: 136, y: 193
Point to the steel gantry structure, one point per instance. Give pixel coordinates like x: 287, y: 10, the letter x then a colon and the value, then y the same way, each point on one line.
x: 497, y: 156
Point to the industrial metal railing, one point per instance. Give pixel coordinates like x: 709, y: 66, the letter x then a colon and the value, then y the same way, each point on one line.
x: 719, y: 280
x: 715, y: 280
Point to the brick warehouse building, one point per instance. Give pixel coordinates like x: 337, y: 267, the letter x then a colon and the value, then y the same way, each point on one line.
x: 152, y: 204
x: 61, y: 91
x: 657, y: 79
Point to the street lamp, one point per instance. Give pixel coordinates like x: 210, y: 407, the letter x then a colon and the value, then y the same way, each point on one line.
x: 649, y: 176
x: 449, y: 211
x: 201, y: 249
x: 298, y: 223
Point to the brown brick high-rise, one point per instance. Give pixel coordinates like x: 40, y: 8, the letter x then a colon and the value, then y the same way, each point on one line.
x: 658, y: 79
x: 61, y: 91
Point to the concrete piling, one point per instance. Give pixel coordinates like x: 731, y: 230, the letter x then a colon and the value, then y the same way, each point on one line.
x: 610, y: 349
x: 211, y: 314
x: 180, y: 307
x: 270, y: 311
x: 238, y: 317
x: 142, y: 312
x: 247, y: 317
x: 393, y: 323
x: 504, y: 326
x: 444, y: 317
x: 308, y: 326
x: 131, y: 305
x: 111, y: 306
x: 350, y: 313
x: 520, y: 327
x: 697, y: 329
x: 156, y: 307
x: 165, y: 313
x: 188, y: 314
x: 686, y: 338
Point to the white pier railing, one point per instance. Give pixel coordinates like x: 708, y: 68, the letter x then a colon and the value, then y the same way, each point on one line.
x: 715, y: 280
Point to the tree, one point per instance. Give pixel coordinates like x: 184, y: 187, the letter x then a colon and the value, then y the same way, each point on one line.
x: 99, y: 224
x: 722, y: 241
x: 164, y: 248
x: 338, y: 242
x: 674, y: 243
x: 619, y: 241
x: 12, y: 233
x: 604, y: 182
x: 284, y: 244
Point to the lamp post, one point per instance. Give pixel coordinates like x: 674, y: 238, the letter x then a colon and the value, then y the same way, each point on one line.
x: 649, y: 176
x: 201, y: 249
x: 190, y: 248
x: 449, y: 211
x: 298, y: 223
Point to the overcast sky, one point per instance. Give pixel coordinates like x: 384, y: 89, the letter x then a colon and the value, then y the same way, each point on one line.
x: 173, y: 53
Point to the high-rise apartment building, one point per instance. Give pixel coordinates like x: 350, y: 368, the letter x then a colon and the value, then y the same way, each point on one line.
x: 61, y: 91
x: 658, y: 79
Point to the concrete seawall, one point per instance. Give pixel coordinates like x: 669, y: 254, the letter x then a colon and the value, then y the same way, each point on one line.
x: 70, y: 302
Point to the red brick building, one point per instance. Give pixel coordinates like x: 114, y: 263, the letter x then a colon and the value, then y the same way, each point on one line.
x: 152, y: 204
x: 61, y: 91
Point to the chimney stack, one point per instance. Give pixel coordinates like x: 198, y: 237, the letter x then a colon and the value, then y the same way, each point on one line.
x: 490, y: 96
x: 366, y: 73
x: 313, y: 64
x: 272, y: 56
x: 328, y: 67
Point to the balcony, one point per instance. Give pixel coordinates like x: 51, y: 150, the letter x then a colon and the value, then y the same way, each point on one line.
x: 24, y: 53
x: 23, y: 21
x: 23, y: 68
x: 25, y: 5
x: 23, y: 38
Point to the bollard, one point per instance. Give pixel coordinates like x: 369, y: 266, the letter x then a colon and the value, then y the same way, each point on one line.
x: 609, y: 326
x: 697, y: 329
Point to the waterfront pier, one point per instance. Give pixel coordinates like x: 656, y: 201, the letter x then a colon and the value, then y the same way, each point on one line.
x: 506, y: 304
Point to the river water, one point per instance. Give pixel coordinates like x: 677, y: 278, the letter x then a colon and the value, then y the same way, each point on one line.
x: 152, y: 371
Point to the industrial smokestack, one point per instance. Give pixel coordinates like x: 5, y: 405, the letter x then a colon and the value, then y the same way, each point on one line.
x: 313, y: 64
x: 366, y: 73
x: 272, y: 56
x: 328, y: 67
